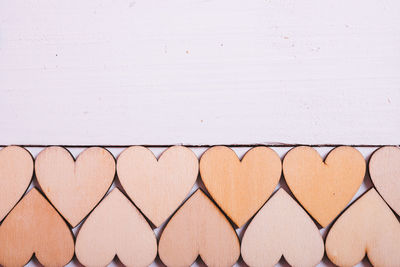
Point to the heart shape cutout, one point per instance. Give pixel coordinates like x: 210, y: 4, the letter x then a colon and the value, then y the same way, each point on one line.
x: 369, y: 227
x: 240, y: 188
x: 199, y: 228
x: 75, y: 187
x: 35, y: 227
x: 116, y: 227
x: 16, y: 171
x: 324, y: 188
x: 157, y: 187
x: 384, y: 169
x: 282, y: 227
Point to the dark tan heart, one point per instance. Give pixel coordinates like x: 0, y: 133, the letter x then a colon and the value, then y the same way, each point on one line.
x: 240, y: 188
x: 16, y: 170
x: 116, y: 227
x: 324, y: 188
x: 75, y: 188
x: 157, y: 187
x: 35, y: 227
x: 369, y: 227
x: 199, y: 228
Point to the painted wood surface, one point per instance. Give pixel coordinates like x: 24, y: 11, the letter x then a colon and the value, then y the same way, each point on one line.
x: 157, y: 187
x: 35, y: 227
x: 282, y: 228
x: 368, y: 227
x: 75, y: 187
x: 116, y: 227
x: 158, y: 72
x: 240, y: 187
x: 324, y: 187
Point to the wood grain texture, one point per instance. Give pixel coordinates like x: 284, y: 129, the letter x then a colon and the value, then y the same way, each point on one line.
x: 16, y: 170
x: 157, y: 187
x: 240, y: 187
x: 369, y: 227
x: 384, y: 169
x: 324, y: 188
x: 116, y: 227
x: 221, y: 72
x: 199, y: 228
x: 35, y: 227
x: 282, y: 228
x: 75, y: 188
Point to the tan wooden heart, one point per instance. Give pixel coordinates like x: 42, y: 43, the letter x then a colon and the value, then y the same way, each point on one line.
x: 240, y: 188
x: 35, y: 227
x: 324, y: 188
x: 16, y: 171
x: 116, y: 227
x: 199, y: 228
x: 75, y: 188
x: 384, y: 169
x: 157, y: 187
x: 282, y: 227
x: 369, y: 227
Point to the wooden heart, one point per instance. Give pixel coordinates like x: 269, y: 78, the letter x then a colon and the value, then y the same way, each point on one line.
x: 384, y: 169
x: 369, y: 227
x: 240, y: 188
x: 157, y: 187
x: 35, y: 227
x: 16, y: 170
x: 324, y: 188
x: 75, y: 188
x: 282, y: 227
x: 199, y: 228
x: 116, y: 227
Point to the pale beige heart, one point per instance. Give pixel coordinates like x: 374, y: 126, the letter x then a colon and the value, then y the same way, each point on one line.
x: 199, y: 228
x: 384, y: 169
x: 16, y: 170
x: 34, y: 227
x: 240, y: 188
x: 324, y: 188
x: 116, y: 227
x: 282, y: 227
x: 75, y: 188
x: 369, y: 227
x: 157, y: 187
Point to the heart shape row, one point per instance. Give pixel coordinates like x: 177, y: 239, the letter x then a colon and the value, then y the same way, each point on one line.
x: 158, y: 187
x: 198, y: 228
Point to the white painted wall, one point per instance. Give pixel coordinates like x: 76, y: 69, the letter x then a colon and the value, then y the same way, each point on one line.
x: 159, y: 72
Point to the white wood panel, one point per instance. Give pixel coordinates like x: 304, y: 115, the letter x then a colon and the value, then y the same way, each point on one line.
x: 199, y: 72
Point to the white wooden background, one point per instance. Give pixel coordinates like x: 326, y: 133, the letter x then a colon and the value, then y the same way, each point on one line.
x: 200, y: 72
x: 160, y: 72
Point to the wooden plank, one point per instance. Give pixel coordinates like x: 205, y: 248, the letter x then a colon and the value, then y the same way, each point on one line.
x: 199, y: 72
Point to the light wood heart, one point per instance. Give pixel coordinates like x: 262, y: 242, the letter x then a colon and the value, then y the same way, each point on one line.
x: 240, y: 188
x: 199, y: 228
x: 116, y: 227
x: 282, y: 227
x: 75, y: 188
x: 369, y: 227
x: 324, y: 188
x: 157, y: 187
x: 16, y: 171
x: 35, y: 227
x: 384, y: 169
